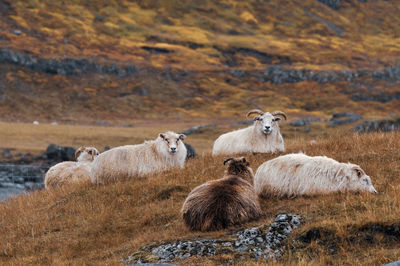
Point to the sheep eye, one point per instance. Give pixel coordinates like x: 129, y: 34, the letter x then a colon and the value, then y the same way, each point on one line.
x: 167, y: 140
x: 90, y: 152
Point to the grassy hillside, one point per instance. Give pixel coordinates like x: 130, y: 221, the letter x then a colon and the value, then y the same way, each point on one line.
x: 101, y: 225
x: 195, y: 58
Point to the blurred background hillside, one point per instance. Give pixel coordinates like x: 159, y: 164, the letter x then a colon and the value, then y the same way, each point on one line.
x: 82, y: 61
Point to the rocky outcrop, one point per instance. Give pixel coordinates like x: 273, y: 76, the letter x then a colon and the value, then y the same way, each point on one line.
x: 279, y: 75
x: 304, y: 121
x: 65, y: 66
x: 342, y: 118
x: 334, y: 4
x: 25, y: 172
x: 378, y: 126
x: 18, y: 178
x: 257, y: 242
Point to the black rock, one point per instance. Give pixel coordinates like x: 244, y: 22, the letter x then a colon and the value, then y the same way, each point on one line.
x: 191, y: 153
x: 58, y: 153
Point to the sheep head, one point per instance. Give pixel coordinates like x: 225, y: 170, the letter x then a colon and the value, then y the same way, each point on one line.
x: 173, y: 141
x: 357, y: 179
x: 239, y: 167
x: 266, y: 121
x: 86, y: 154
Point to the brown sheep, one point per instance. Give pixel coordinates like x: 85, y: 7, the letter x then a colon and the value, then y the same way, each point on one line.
x: 220, y: 203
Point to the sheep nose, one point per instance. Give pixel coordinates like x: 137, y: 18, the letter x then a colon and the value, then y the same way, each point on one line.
x: 173, y: 149
x: 267, y: 127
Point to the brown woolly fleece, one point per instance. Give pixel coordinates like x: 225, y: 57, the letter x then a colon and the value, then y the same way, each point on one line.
x: 220, y: 203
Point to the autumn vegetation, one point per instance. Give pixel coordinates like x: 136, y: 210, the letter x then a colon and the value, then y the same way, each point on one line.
x: 185, y: 53
x: 87, y: 224
x: 196, y: 62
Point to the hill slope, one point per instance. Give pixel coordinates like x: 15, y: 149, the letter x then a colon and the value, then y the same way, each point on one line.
x: 129, y: 59
x: 104, y: 224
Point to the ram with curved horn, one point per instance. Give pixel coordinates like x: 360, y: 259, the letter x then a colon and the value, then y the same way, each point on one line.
x: 263, y: 136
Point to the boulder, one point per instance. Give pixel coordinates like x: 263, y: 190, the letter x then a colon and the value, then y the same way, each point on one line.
x: 342, y: 118
x: 304, y: 121
x: 59, y: 153
x: 191, y: 153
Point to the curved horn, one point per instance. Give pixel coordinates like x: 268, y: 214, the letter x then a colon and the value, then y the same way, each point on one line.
x: 254, y: 111
x: 279, y: 113
x: 227, y: 160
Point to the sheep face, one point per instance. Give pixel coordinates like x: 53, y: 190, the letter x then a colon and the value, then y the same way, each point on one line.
x: 240, y: 167
x: 173, y: 142
x: 266, y: 122
x: 359, y: 180
x: 86, y: 154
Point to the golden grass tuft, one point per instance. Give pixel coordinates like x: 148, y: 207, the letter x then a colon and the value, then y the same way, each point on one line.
x: 87, y: 224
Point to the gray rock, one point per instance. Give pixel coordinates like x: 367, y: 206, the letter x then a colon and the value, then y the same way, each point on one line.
x: 395, y: 263
x: 334, y: 4
x: 378, y: 126
x: 66, y: 66
x: 304, y: 121
x: 246, y: 122
x: 342, y: 118
x: 7, y: 153
x: 152, y: 264
x: 198, y: 129
x: 102, y: 123
x: 278, y: 75
x: 256, y: 241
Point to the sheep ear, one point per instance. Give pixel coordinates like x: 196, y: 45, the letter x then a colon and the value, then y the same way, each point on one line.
x: 182, y: 136
x: 161, y: 135
x: 245, y: 162
x: 276, y: 119
x: 227, y: 160
x: 78, y: 152
x: 358, y: 171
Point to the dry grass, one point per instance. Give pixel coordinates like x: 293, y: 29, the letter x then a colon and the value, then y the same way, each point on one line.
x: 100, y: 225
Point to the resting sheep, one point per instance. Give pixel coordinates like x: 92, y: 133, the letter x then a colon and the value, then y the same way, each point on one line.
x: 298, y: 174
x: 165, y: 152
x: 72, y: 172
x: 220, y: 203
x: 263, y: 136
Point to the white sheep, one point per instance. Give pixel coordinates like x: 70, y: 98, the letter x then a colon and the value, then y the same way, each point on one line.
x: 165, y: 152
x: 263, y: 136
x: 299, y: 174
x: 72, y: 172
